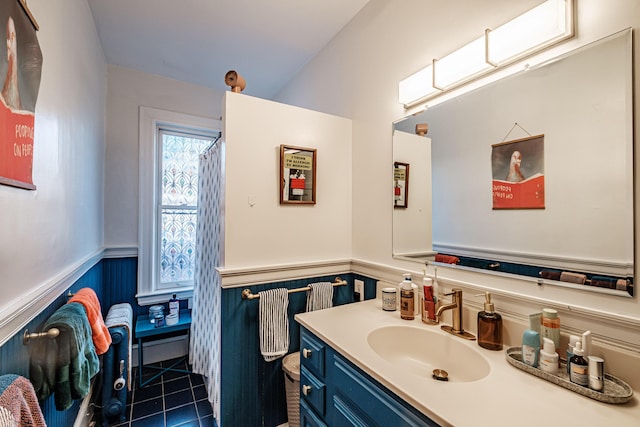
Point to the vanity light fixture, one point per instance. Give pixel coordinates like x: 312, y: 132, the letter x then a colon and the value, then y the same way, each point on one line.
x: 529, y: 33
x: 417, y: 86
x: 540, y: 27
x: 461, y: 65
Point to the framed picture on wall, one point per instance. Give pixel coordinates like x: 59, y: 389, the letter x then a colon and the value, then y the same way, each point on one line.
x: 20, y: 70
x: 297, y: 175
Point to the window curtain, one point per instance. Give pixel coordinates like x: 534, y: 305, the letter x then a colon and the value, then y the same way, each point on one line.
x: 204, y: 345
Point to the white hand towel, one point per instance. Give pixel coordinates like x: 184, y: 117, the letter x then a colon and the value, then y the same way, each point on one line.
x: 320, y: 296
x: 274, y: 323
x: 122, y: 315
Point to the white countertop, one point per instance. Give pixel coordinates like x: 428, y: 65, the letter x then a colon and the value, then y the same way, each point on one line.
x: 505, y: 397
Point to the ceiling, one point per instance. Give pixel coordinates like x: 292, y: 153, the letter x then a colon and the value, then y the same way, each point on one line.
x: 198, y: 41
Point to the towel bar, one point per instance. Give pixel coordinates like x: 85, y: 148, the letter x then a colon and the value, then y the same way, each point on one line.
x: 247, y: 294
x: 51, y: 333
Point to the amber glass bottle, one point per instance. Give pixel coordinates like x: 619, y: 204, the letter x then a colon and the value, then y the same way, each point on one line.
x: 489, y: 326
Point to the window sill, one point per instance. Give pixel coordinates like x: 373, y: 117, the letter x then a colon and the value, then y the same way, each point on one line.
x: 164, y: 295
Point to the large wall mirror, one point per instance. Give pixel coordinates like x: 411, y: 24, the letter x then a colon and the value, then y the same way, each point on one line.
x: 581, y: 105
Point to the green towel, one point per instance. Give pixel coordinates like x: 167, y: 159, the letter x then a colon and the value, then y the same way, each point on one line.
x: 64, y: 365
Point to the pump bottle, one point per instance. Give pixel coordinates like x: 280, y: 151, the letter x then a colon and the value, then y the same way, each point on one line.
x: 489, y: 326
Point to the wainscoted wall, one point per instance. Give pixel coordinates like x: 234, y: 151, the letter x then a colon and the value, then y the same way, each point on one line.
x: 114, y: 281
x: 14, y: 356
x: 253, y: 391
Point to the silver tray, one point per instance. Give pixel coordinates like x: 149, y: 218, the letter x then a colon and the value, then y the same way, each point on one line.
x: 615, y: 390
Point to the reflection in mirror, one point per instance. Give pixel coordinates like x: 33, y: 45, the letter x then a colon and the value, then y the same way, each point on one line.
x: 412, y: 224
x: 400, y: 185
x: 584, y: 235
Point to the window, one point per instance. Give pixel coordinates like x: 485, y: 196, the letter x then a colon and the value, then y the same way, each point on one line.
x: 178, y: 188
x: 170, y: 145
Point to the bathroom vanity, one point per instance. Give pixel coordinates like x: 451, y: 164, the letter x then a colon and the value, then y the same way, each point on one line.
x: 350, y: 377
x: 336, y: 392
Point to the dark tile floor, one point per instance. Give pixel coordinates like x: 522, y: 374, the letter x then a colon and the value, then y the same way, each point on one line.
x: 174, y: 399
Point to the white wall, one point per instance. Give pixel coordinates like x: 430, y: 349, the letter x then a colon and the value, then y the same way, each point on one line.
x: 48, y: 231
x: 357, y: 75
x: 127, y: 91
x: 265, y: 233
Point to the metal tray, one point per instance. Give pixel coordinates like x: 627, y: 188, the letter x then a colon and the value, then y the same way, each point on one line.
x: 615, y: 390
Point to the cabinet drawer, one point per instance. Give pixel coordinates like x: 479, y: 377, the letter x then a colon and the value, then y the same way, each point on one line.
x: 308, y: 418
x: 312, y: 390
x: 312, y: 353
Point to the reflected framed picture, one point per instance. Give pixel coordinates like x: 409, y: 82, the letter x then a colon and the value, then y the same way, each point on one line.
x: 518, y: 173
x: 297, y: 175
x: 400, y: 185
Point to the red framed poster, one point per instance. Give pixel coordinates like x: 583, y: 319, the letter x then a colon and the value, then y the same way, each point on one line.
x: 20, y: 72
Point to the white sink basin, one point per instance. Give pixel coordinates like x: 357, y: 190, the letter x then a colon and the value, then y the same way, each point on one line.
x: 421, y: 351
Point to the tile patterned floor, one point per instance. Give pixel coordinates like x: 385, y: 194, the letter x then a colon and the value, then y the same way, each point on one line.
x: 174, y: 399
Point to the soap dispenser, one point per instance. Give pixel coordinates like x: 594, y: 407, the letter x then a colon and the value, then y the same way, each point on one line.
x: 489, y: 326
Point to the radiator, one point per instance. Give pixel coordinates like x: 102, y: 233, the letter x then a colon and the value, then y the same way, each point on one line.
x: 116, y: 364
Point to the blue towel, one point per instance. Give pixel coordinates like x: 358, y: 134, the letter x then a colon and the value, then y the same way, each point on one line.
x: 64, y: 366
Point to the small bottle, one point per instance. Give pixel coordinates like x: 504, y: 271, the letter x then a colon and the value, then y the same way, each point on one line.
x: 548, y: 357
x: 174, y: 305
x: 407, y: 301
x: 579, y: 367
x: 416, y: 299
x: 573, y: 339
x: 596, y: 373
x: 531, y: 347
x: 489, y: 326
x: 550, y: 326
x: 586, y: 344
x: 429, y: 307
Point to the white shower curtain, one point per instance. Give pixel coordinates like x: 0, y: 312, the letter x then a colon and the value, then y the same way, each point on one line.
x: 204, y: 345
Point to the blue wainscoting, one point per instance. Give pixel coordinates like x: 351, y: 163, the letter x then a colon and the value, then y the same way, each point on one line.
x: 114, y: 281
x: 14, y: 356
x: 252, y: 391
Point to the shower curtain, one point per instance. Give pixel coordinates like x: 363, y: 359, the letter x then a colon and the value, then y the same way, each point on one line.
x: 204, y: 345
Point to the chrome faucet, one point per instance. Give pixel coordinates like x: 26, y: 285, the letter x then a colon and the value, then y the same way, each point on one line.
x: 456, y: 315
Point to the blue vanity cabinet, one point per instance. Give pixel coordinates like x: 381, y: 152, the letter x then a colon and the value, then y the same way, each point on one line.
x: 308, y: 418
x: 334, y: 392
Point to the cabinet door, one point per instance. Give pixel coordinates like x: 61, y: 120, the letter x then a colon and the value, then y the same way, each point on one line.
x: 308, y: 418
x: 358, y: 401
x: 345, y: 415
